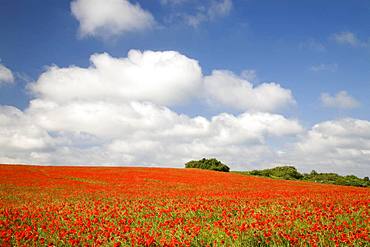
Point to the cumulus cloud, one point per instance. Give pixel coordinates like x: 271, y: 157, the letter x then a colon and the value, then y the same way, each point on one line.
x: 341, y: 145
x: 106, y: 18
x: 138, y: 133
x: 18, y: 132
x: 165, y: 78
x: 226, y: 88
x: 102, y: 115
x: 6, y: 75
x: 341, y: 100
x: 116, y: 112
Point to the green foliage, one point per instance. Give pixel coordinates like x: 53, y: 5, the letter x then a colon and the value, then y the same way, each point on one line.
x: 291, y: 173
x: 209, y: 164
x: 333, y: 178
x: 284, y: 172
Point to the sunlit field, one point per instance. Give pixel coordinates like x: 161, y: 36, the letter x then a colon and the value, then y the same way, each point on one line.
x: 75, y: 206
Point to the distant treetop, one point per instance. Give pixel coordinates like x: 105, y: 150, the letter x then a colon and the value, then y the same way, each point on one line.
x: 209, y: 164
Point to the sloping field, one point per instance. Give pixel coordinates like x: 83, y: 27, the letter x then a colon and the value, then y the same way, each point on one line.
x: 64, y: 206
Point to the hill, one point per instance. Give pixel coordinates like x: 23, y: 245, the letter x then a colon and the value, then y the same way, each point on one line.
x: 59, y: 206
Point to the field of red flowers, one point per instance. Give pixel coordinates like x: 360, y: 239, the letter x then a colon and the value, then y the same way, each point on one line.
x: 69, y: 206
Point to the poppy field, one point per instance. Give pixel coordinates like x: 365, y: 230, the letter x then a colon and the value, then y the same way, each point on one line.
x: 106, y: 206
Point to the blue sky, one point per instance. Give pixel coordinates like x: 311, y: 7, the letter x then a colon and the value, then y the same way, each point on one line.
x: 312, y: 48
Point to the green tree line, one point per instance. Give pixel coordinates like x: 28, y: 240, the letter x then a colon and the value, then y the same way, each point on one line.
x: 284, y: 172
x: 291, y: 173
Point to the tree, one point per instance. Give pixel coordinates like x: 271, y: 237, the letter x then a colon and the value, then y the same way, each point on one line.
x: 313, y: 173
x: 285, y: 172
x: 209, y: 164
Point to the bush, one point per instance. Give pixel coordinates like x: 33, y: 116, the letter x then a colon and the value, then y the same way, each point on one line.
x: 285, y: 172
x: 291, y: 173
x: 209, y: 164
x: 333, y: 178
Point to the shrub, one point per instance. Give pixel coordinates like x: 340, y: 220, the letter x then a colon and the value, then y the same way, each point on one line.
x: 333, y: 178
x: 291, y: 173
x: 209, y: 164
x: 285, y: 172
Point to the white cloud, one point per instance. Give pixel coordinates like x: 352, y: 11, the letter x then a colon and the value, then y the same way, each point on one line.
x: 195, y: 20
x: 164, y: 78
x: 208, y: 12
x: 225, y: 88
x: 18, y: 132
x: 115, y: 112
x: 324, y: 67
x: 348, y: 38
x: 220, y: 9
x: 106, y: 18
x: 136, y: 133
x: 88, y: 119
x: 341, y: 100
x: 6, y: 75
x: 341, y: 145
